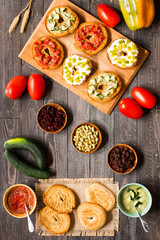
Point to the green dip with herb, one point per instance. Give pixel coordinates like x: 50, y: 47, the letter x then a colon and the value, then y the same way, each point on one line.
x: 134, y: 195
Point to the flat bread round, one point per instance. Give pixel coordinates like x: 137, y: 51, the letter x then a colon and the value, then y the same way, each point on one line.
x: 100, y: 194
x: 95, y: 40
x: 60, y: 198
x: 123, y: 53
x: 48, y: 52
x: 91, y: 215
x: 103, y: 86
x: 61, y: 21
x: 54, y: 222
x: 76, y: 69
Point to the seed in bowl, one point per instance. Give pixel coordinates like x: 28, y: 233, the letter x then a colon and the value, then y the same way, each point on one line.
x: 86, y: 138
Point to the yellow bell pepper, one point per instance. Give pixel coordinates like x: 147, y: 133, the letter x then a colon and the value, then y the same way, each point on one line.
x: 137, y: 13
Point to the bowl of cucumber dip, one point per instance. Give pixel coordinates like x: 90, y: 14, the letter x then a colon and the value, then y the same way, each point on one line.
x: 134, y: 194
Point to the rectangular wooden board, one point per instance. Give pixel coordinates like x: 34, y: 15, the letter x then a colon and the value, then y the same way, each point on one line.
x: 78, y: 186
x: 100, y: 61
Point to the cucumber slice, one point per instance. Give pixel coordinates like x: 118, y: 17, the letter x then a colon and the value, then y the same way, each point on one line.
x: 63, y: 9
x: 50, y: 20
x: 115, y: 85
x: 64, y: 27
x: 92, y: 87
x: 57, y: 10
x: 93, y: 81
x: 138, y: 203
x: 90, y: 91
x: 67, y: 15
x: 73, y: 18
x: 54, y: 12
x: 132, y: 194
x: 68, y: 23
x: 101, y: 96
x: 107, y: 78
x: 113, y: 77
x: 56, y: 17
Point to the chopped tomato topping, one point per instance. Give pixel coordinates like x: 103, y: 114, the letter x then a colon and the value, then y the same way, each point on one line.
x: 46, y: 53
x: 89, y: 37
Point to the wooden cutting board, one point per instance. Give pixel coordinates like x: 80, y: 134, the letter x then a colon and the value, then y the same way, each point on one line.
x: 78, y: 186
x: 100, y: 61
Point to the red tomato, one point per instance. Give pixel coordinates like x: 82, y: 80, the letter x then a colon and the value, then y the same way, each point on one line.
x: 36, y: 86
x: 108, y: 15
x: 16, y: 87
x: 144, y: 97
x: 129, y: 108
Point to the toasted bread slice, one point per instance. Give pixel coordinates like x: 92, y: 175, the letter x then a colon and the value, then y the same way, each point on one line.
x: 60, y: 198
x: 54, y: 222
x: 91, y: 215
x: 47, y: 53
x: 76, y: 67
x: 127, y: 57
x: 100, y: 194
x: 102, y: 44
x: 105, y: 99
x: 61, y: 25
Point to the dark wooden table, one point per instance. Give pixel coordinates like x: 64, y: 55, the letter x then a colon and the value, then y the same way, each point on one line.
x: 18, y: 118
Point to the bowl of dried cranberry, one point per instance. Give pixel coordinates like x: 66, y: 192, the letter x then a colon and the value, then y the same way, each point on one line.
x: 122, y: 159
x: 51, y: 118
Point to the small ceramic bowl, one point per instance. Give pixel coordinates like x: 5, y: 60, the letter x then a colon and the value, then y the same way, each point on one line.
x: 135, y: 162
x: 99, y: 134
x: 5, y: 204
x: 134, y: 214
x: 58, y: 107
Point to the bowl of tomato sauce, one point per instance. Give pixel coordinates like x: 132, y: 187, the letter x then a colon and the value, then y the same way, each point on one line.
x: 16, y: 197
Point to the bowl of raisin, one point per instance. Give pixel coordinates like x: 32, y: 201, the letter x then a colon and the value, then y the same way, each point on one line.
x: 122, y: 159
x: 51, y: 118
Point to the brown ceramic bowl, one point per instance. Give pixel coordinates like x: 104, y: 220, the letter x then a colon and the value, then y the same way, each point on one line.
x: 99, y: 133
x: 135, y: 161
x: 7, y: 208
x: 58, y: 107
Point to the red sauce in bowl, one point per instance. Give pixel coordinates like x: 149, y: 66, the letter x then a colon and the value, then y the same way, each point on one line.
x: 18, y: 197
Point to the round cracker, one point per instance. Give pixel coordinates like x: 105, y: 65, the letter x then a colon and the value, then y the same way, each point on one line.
x: 59, y: 47
x: 127, y: 68
x: 113, y: 95
x: 71, y: 29
x: 103, y: 43
x: 90, y: 64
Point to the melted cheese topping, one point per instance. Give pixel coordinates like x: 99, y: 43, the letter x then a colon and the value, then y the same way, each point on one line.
x: 103, y: 86
x: 76, y: 69
x: 60, y: 19
x: 123, y: 53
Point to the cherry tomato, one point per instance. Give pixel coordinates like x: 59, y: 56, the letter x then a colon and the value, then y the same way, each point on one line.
x: 16, y: 87
x: 36, y: 86
x: 108, y: 15
x: 144, y: 97
x: 129, y: 108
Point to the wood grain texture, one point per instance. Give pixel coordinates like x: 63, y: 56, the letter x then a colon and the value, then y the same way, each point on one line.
x: 17, y: 118
x: 100, y: 61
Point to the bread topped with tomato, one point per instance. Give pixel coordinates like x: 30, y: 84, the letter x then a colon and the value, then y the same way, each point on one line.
x: 90, y: 37
x: 48, y: 52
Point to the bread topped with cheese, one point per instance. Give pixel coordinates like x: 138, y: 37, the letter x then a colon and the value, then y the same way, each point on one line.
x: 61, y: 21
